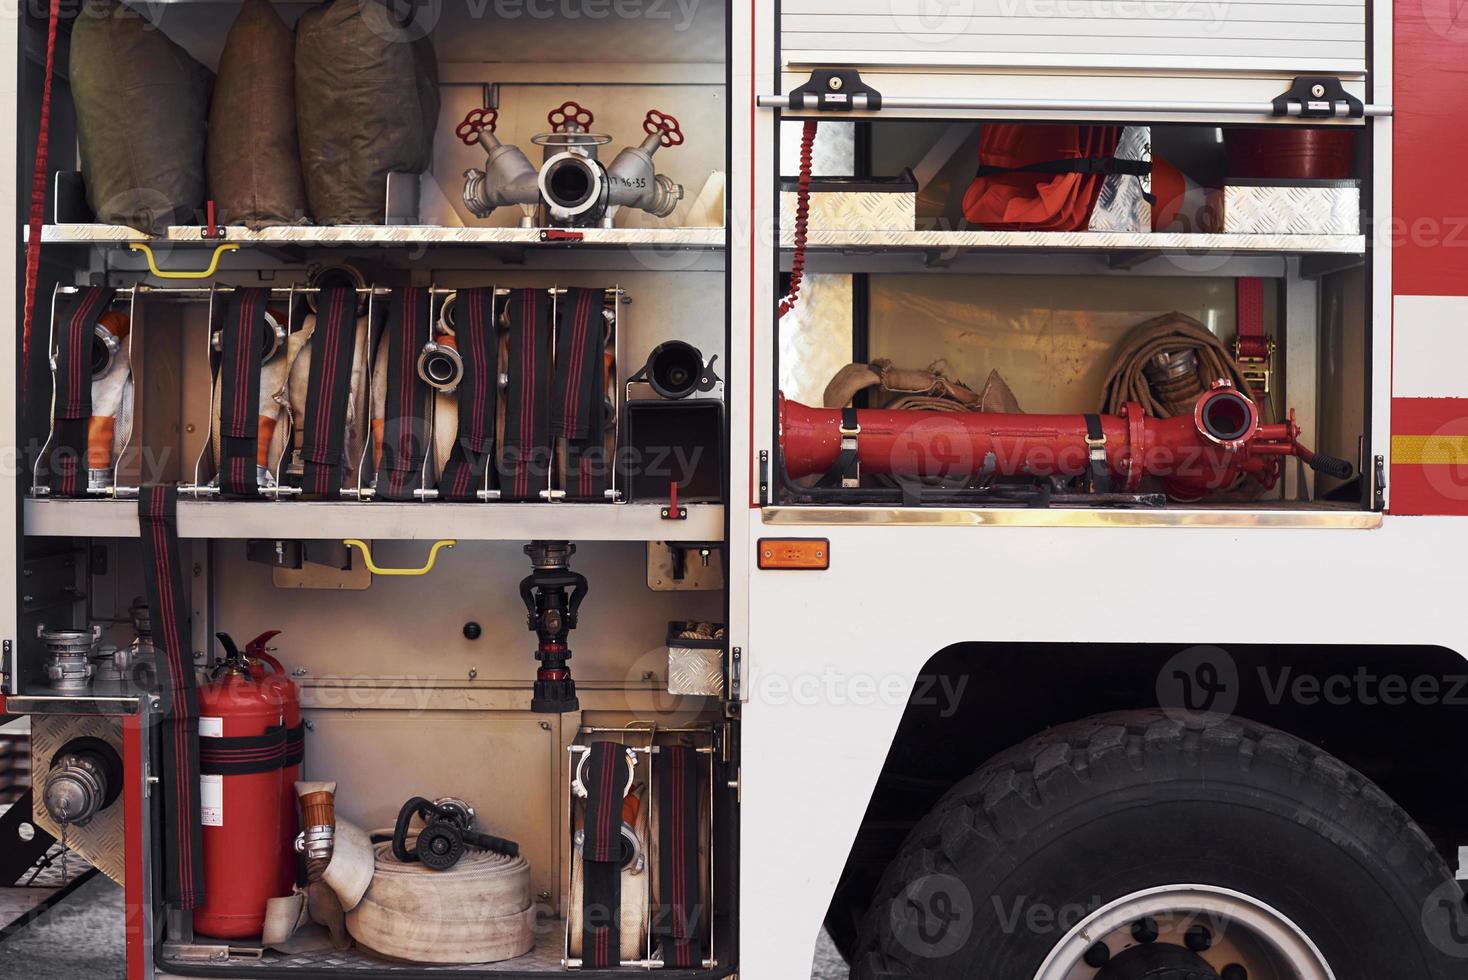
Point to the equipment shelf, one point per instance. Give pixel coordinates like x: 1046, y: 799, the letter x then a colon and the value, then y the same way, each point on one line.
x: 381, y: 521
x: 384, y: 235
x: 835, y: 240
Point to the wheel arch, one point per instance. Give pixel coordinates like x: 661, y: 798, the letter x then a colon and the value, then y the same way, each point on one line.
x: 1391, y: 712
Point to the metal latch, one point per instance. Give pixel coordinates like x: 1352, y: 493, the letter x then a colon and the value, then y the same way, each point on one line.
x: 1318, y: 97
x: 200, y: 953
x: 835, y: 90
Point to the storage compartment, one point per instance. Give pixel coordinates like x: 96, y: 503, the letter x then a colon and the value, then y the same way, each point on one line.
x: 617, y: 136
x: 386, y: 454
x: 1070, y: 323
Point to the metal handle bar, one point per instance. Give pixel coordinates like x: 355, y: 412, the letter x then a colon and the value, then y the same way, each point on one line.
x: 859, y: 102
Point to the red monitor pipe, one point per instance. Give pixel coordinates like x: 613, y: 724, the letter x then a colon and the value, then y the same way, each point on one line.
x: 1222, y: 440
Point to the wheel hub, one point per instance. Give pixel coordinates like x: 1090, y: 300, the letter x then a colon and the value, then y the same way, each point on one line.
x: 1185, y: 932
x: 1158, y: 961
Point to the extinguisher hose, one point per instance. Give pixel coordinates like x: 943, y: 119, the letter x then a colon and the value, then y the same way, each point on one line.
x: 802, y: 215
x: 38, y: 195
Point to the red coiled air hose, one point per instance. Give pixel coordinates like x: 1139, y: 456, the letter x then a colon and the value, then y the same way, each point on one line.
x: 802, y: 215
x: 38, y: 197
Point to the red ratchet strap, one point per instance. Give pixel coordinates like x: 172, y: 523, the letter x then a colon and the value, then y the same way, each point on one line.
x: 1252, y: 342
x: 802, y: 215
x: 38, y: 196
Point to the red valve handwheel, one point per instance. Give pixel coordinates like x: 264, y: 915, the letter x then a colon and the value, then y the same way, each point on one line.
x: 570, y: 112
x: 664, y: 126
x: 476, y: 122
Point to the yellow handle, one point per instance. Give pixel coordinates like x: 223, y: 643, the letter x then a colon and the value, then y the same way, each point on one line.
x: 147, y: 250
x: 372, y: 566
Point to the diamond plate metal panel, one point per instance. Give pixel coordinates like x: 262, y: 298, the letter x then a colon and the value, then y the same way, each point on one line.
x: 815, y: 337
x: 853, y: 210
x: 1122, y: 205
x: 101, y: 841
x: 695, y: 671
x: 92, y: 234
x: 544, y: 958
x: 1292, y: 210
x: 1079, y: 240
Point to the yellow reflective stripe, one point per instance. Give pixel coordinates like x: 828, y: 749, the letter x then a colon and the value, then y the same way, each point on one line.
x: 1428, y: 450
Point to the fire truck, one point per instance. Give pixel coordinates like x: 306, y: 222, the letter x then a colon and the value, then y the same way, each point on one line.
x: 898, y: 489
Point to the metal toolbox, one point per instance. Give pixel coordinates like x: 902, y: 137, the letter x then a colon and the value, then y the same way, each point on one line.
x: 854, y: 204
x: 1296, y: 207
x: 696, y: 660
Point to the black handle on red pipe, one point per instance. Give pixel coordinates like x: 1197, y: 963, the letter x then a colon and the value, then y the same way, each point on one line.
x: 1331, y: 466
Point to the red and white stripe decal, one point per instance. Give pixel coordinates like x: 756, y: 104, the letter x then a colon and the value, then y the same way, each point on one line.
x: 1429, y: 241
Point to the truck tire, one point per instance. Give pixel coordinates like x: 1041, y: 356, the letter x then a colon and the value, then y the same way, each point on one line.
x: 1190, y: 849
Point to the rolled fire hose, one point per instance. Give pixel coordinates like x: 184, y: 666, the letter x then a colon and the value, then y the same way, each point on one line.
x: 478, y: 911
x: 930, y: 389
x: 445, y: 406
x: 636, y: 882
x: 1154, y: 345
x: 655, y: 857
x: 273, y: 375
x: 357, y: 399
x: 110, y: 426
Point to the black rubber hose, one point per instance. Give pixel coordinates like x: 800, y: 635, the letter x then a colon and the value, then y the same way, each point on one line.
x: 1330, y: 466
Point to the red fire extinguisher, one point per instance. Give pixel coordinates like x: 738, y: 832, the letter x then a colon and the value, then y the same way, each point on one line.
x: 242, y: 749
x: 268, y: 671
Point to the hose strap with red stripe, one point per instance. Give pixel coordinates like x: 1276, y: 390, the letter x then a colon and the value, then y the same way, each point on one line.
x: 678, y: 913
x: 239, y: 392
x: 524, y: 464
x: 39, y: 176
x: 66, y: 457
x: 578, y: 396
x: 605, y: 777
x: 405, y: 423
x: 328, y: 388
x: 477, y: 333
x: 178, y: 730
x: 245, y: 755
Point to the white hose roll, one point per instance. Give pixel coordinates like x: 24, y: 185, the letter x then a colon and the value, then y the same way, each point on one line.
x: 478, y: 911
